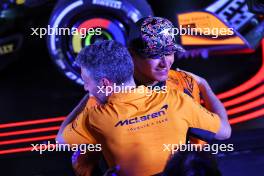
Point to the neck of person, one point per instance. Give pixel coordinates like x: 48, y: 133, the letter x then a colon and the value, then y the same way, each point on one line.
x: 103, y: 98
x: 142, y: 80
x: 129, y: 84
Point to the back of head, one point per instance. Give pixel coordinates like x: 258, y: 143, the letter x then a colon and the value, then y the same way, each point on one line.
x: 192, y: 163
x: 107, y: 59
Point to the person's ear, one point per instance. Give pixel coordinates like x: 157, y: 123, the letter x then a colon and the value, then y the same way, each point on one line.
x: 107, y: 86
x: 105, y: 82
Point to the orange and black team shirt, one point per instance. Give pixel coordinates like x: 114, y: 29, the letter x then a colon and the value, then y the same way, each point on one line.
x: 186, y: 83
x: 176, y: 80
x: 183, y: 82
x: 133, y: 128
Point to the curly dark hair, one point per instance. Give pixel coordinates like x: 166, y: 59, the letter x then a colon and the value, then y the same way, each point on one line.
x: 107, y: 59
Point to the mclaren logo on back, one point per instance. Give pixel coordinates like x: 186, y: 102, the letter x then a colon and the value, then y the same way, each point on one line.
x: 161, y: 112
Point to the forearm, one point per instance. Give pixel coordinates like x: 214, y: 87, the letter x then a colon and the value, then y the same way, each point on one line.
x: 71, y: 117
x: 213, y: 104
